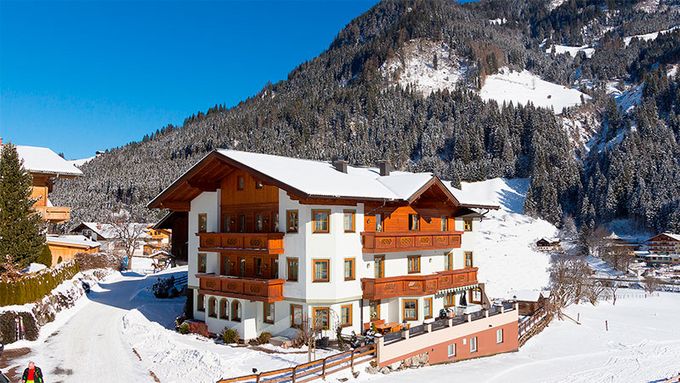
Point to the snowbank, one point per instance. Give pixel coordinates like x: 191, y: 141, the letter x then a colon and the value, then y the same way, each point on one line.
x: 524, y: 87
x: 505, y: 256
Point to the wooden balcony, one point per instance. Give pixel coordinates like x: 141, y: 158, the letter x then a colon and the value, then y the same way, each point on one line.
x: 254, y: 289
x: 256, y: 243
x: 54, y: 213
x: 389, y: 242
x: 417, y: 285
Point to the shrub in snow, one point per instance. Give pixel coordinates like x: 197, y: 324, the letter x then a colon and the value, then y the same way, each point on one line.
x: 183, y: 328
x: 264, y: 338
x: 230, y: 335
x: 31, y: 288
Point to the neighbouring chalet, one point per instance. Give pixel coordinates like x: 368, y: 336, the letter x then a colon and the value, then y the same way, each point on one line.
x: 274, y: 242
x: 150, y: 240
x: 529, y: 301
x: 176, y: 223
x: 45, y: 167
x: 621, y: 244
x: 548, y: 244
x: 663, y: 248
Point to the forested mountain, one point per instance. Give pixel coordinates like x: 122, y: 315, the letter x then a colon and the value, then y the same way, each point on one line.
x: 402, y: 82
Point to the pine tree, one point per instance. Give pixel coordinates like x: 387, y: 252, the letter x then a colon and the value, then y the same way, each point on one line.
x: 21, y: 237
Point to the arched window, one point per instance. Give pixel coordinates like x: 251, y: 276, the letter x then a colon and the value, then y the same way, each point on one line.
x: 212, y: 307
x: 224, y: 309
x: 236, y: 311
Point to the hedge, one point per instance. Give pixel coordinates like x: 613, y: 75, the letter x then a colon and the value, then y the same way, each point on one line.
x: 34, y: 287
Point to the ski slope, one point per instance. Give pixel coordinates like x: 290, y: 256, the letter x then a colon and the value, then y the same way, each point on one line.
x: 506, y: 259
x: 524, y: 87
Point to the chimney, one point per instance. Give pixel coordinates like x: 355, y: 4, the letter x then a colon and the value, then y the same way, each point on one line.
x: 340, y: 165
x: 384, y: 168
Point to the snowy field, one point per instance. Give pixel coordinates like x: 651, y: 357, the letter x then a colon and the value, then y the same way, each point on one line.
x: 525, y: 87
x: 572, y: 51
x: 505, y: 257
x: 642, y: 345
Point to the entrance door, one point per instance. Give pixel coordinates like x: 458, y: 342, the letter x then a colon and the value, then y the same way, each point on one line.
x: 379, y: 266
x: 374, y: 310
x: 242, y: 266
x: 275, y: 268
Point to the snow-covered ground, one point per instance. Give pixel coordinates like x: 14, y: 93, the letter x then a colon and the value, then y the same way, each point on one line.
x: 642, y: 345
x: 81, y: 161
x: 414, y: 65
x: 648, y: 36
x: 525, y: 87
x: 573, y: 51
x: 505, y: 255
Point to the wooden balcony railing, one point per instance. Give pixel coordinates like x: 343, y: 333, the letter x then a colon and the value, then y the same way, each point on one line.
x: 254, y: 289
x: 417, y: 285
x: 388, y: 242
x: 267, y: 243
x: 54, y: 213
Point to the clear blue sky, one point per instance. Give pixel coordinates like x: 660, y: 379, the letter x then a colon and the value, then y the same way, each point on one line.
x: 80, y: 76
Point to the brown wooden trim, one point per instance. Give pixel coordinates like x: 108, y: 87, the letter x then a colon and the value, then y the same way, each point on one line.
x: 391, y: 241
x: 428, y: 314
x: 353, y: 214
x: 328, y: 269
x: 328, y: 317
x: 467, y: 224
x: 417, y: 285
x: 417, y: 264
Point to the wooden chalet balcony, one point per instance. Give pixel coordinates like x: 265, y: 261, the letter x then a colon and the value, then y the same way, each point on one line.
x: 388, y: 242
x: 54, y: 213
x: 256, y: 243
x: 417, y: 285
x: 254, y: 289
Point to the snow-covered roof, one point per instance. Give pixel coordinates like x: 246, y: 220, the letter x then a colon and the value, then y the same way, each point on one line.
x: 108, y: 231
x: 43, y: 160
x: 673, y: 235
x: 526, y: 295
x: 321, y: 179
x: 550, y: 239
x: 73, y: 240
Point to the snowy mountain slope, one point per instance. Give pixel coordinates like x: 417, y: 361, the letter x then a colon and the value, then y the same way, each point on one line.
x: 648, y: 36
x: 524, y: 87
x: 81, y: 161
x: 505, y: 256
x: 573, y: 51
x: 415, y: 65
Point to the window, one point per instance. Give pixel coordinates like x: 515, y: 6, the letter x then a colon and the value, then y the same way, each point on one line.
x: 379, y: 266
x: 212, y: 307
x: 321, y: 318
x: 320, y: 221
x: 321, y: 272
x: 346, y: 315
x: 268, y: 312
x: 200, y: 302
x: 258, y: 184
x: 258, y: 266
x: 448, y: 261
x: 413, y: 222
x: 292, y: 221
x: 242, y: 267
x: 449, y: 299
x: 236, y: 311
x: 444, y: 223
x: 451, y: 350
x: 467, y: 224
x: 225, y: 267
x: 292, y: 269
x: 202, y: 222
x: 275, y: 268
x: 476, y: 296
x: 202, y: 262
x: 348, y: 221
x: 240, y: 183
x: 296, y: 316
x: 473, y: 344
x: 499, y: 335
x: 259, y: 222
x: 374, y: 310
x: 427, y: 308
x: 378, y: 223
x: 224, y: 309
x: 413, y: 264
x: 227, y: 224
x: 349, y: 269
x: 410, y: 309
x: 242, y: 223
x: 468, y: 259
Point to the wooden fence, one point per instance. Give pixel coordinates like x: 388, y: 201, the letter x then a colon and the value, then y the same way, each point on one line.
x: 533, y: 325
x: 308, y: 372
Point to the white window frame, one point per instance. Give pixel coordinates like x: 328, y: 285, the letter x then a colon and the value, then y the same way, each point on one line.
x: 451, y: 350
x: 473, y: 344
x: 499, y: 336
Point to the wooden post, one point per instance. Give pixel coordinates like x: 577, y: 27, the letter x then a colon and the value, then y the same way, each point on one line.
x: 292, y: 375
x: 323, y: 369
x: 578, y: 317
x: 606, y: 325
x: 351, y: 361
x: 257, y: 378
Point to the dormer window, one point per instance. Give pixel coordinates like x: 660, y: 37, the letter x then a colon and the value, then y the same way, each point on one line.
x: 413, y: 222
x: 240, y: 183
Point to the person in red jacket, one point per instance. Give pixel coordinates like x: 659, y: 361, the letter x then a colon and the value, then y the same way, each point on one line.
x: 32, y: 374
